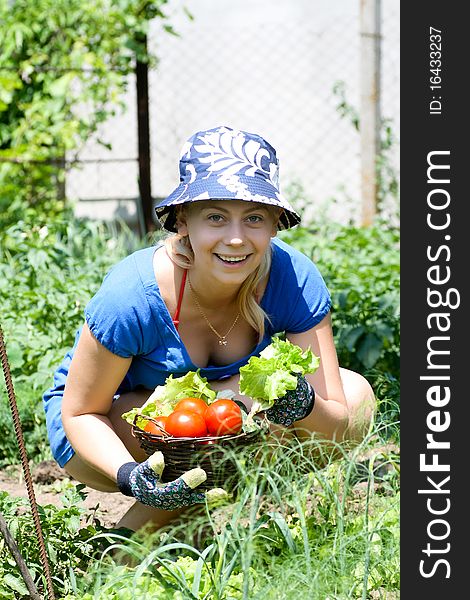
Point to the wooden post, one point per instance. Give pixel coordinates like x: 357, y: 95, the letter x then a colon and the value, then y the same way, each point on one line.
x: 143, y: 128
x: 20, y: 562
x: 369, y: 106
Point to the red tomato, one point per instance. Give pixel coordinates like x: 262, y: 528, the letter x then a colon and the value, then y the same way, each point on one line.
x: 184, y: 423
x: 223, y: 417
x: 196, y: 405
x: 150, y: 426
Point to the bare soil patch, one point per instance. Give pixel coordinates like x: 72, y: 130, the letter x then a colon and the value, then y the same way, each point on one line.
x: 110, y: 507
x: 47, y: 479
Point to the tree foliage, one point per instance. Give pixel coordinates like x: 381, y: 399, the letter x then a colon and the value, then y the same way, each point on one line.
x: 64, y: 66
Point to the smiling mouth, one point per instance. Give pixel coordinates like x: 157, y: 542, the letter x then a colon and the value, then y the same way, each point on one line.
x: 232, y: 259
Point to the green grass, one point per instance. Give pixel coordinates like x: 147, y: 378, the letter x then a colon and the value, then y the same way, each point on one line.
x: 298, y: 527
x: 293, y: 530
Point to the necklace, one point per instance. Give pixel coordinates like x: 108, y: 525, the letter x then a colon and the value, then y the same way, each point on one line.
x: 222, y: 338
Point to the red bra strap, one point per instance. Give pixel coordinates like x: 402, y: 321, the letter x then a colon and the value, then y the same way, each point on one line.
x: 180, y: 300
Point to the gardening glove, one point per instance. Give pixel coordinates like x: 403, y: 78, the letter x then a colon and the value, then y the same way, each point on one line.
x: 294, y: 406
x: 143, y: 482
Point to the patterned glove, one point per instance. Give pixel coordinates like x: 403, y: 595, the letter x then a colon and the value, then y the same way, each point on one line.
x: 294, y: 406
x: 143, y: 481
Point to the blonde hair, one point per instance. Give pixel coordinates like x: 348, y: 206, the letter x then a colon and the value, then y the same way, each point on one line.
x: 179, y: 249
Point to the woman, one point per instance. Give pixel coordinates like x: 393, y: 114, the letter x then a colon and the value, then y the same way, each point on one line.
x: 208, y: 298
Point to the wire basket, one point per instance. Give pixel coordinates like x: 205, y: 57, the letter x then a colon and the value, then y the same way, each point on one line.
x: 214, y: 454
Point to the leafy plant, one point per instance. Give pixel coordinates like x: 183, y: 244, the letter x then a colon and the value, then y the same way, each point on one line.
x: 293, y: 529
x: 70, y: 543
x: 47, y: 275
x: 64, y: 67
x: 386, y: 170
x: 33, y: 425
x: 361, y: 267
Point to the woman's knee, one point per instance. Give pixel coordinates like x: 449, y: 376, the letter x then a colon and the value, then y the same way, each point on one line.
x: 79, y: 470
x: 126, y: 402
x: 361, y: 401
x: 122, y: 428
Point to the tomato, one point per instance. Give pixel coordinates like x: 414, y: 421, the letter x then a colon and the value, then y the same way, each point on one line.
x: 150, y: 426
x: 196, y: 405
x: 184, y: 423
x: 223, y: 417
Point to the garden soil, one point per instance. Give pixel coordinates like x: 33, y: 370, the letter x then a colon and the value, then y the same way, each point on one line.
x: 48, y: 482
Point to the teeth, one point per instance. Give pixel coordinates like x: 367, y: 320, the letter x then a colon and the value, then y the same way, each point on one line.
x: 232, y: 258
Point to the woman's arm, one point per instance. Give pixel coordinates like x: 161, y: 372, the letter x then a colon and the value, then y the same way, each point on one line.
x: 330, y: 415
x: 94, y: 376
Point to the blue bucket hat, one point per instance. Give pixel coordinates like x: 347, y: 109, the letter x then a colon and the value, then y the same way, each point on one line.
x: 227, y: 164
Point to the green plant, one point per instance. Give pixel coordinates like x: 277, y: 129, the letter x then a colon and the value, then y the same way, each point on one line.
x: 158, y: 576
x: 47, y: 275
x: 64, y: 67
x: 33, y: 424
x: 296, y: 526
x: 386, y: 171
x: 70, y: 543
x: 293, y: 529
x: 361, y: 267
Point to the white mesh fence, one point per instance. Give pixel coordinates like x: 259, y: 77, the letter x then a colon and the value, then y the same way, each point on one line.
x: 264, y: 67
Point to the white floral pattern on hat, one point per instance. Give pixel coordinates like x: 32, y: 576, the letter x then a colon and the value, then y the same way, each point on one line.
x: 227, y: 164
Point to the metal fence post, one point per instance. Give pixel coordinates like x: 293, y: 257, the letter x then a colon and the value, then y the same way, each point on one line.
x: 369, y: 106
x: 143, y: 128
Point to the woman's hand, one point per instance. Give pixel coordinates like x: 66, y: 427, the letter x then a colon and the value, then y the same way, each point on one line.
x: 143, y: 482
x: 294, y: 406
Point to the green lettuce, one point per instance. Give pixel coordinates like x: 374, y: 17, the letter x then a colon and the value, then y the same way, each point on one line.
x: 165, y: 397
x: 268, y: 377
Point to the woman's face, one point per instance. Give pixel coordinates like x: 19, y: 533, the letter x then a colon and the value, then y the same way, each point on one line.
x: 228, y: 237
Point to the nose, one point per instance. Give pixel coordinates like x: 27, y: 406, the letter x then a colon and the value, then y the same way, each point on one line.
x: 236, y: 241
x: 235, y: 236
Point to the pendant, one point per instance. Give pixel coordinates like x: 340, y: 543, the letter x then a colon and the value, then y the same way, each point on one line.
x: 222, y: 342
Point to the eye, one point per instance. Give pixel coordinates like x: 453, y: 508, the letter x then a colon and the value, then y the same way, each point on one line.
x: 215, y: 218
x: 254, y: 219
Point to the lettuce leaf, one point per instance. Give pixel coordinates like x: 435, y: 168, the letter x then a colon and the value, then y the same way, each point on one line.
x: 268, y: 376
x: 165, y: 397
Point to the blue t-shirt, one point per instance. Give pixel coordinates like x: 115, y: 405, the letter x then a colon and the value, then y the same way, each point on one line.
x: 129, y: 317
